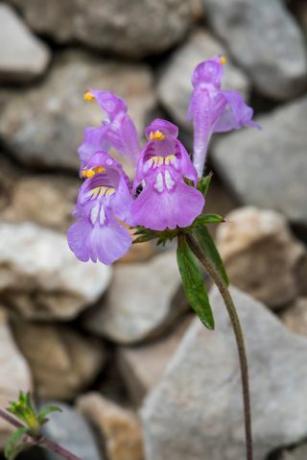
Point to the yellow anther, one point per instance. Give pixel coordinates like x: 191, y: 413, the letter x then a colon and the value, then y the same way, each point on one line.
x: 90, y: 173
x: 223, y: 60
x: 156, y: 136
x: 88, y: 97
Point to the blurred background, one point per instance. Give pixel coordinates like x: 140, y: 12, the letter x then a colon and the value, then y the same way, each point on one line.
x: 98, y: 340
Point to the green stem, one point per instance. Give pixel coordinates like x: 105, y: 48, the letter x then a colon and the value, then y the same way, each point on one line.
x: 234, y: 318
x: 40, y: 440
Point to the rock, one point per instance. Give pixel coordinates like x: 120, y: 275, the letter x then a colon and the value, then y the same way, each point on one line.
x: 71, y: 430
x: 301, y: 276
x: 251, y: 162
x: 260, y: 254
x: 46, y: 200
x: 175, y: 87
x: 43, y: 126
x: 142, y: 29
x: 119, y: 429
x: 15, y: 373
x: 196, y: 410
x: 73, y: 361
x: 23, y: 57
x: 52, y: 283
x: 277, y: 62
x: 298, y: 453
x: 139, y: 303
x: 142, y: 367
x: 8, y: 177
x: 295, y: 317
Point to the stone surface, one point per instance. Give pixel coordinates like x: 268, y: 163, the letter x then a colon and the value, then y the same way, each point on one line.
x: 15, y: 373
x: 142, y: 367
x: 196, y: 410
x: 46, y: 200
x: 301, y: 276
x: 260, y: 254
x: 139, y: 302
x: 265, y: 40
x: 119, y: 429
x: 71, y: 430
x: 23, y: 57
x: 43, y: 126
x: 295, y: 317
x: 175, y: 87
x: 62, y: 361
x: 253, y: 162
x: 52, y: 283
x: 143, y: 28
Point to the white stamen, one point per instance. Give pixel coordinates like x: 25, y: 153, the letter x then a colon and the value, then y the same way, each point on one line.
x: 169, y: 182
x: 159, y: 183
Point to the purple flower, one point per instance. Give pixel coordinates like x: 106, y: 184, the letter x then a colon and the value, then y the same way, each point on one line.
x: 117, y: 131
x: 166, y: 199
x: 212, y: 109
x: 103, y: 198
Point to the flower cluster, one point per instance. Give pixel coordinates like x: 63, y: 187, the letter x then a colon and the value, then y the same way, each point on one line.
x: 163, y: 194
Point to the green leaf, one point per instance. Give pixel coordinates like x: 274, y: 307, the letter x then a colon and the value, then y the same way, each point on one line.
x: 193, y: 283
x: 208, y: 219
x: 47, y: 410
x: 204, y: 184
x: 14, y: 445
x: 205, y: 241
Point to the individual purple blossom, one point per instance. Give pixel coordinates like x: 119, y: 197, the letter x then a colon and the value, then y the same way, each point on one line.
x: 117, y: 130
x: 166, y: 199
x: 103, y: 198
x: 212, y: 109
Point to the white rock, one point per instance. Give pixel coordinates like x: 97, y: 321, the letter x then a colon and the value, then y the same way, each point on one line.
x: 23, y: 57
x: 41, y: 278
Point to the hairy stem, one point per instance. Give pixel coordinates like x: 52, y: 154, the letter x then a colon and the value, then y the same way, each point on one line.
x: 232, y: 312
x: 40, y: 440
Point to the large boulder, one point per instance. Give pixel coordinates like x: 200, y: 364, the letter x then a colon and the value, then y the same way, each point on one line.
x: 268, y: 168
x: 260, y: 254
x: 141, y: 302
x: 43, y: 126
x: 41, y: 278
x: 140, y: 29
x: 265, y: 40
x: 196, y: 410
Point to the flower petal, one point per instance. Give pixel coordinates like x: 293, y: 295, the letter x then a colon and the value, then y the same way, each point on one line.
x: 168, y: 209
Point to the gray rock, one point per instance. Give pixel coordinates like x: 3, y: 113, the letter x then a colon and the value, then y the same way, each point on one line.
x: 268, y: 168
x: 52, y: 283
x: 139, y: 303
x: 174, y: 88
x: 196, y: 410
x: 143, y: 28
x: 261, y: 255
x: 142, y: 367
x: 15, y: 373
x: 265, y: 40
x: 72, y: 431
x: 43, y: 126
x: 23, y: 57
x: 31, y: 198
x: 62, y: 361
